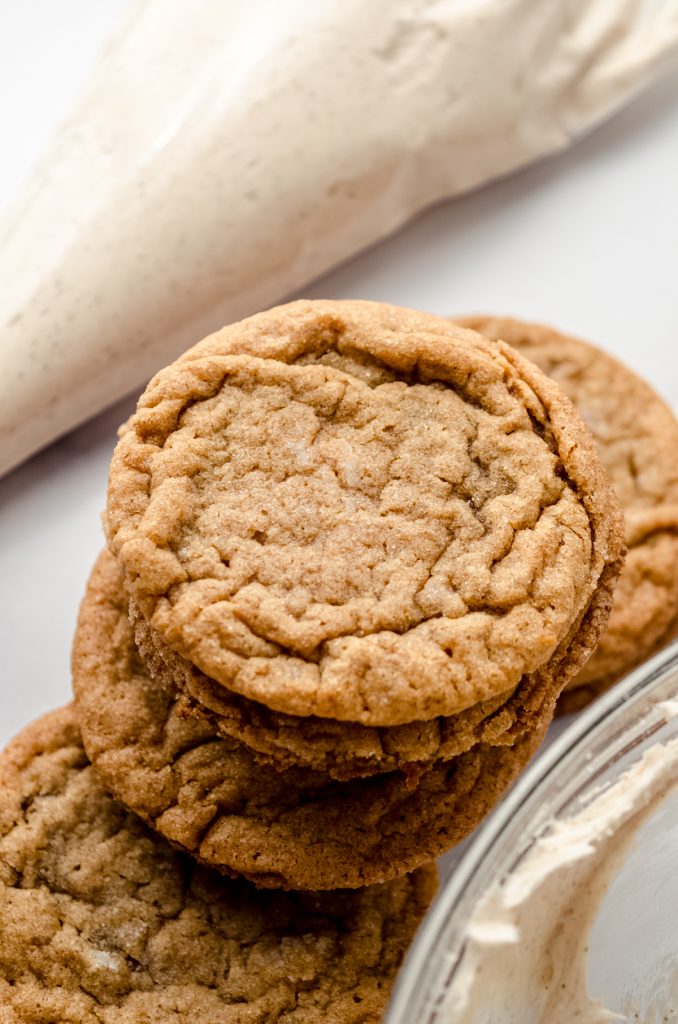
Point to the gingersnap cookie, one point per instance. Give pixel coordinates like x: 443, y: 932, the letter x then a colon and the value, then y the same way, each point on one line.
x: 362, y: 514
x: 637, y: 438
x: 207, y: 794
x: 343, y: 750
x: 102, y: 922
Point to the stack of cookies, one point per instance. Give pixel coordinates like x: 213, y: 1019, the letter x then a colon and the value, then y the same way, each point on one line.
x: 355, y: 554
x: 362, y: 552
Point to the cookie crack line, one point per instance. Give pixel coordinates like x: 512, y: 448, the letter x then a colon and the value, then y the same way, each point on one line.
x: 417, y: 376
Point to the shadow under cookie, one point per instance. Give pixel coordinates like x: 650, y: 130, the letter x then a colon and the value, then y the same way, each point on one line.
x: 103, y: 921
x: 206, y: 793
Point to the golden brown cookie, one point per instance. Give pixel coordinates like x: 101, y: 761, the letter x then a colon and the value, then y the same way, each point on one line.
x: 101, y: 922
x: 293, y: 829
x: 637, y: 437
x: 343, y: 750
x: 361, y: 513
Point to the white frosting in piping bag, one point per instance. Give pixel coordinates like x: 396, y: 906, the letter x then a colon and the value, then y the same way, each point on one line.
x: 525, y: 959
x: 224, y: 153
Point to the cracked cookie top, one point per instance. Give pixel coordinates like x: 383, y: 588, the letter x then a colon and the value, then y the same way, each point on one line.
x: 637, y: 437
x: 103, y: 923
x: 359, y: 512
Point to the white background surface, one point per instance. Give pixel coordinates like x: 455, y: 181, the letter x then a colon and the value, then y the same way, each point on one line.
x: 587, y: 241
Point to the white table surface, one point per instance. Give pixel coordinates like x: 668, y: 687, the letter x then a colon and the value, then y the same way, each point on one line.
x: 587, y: 241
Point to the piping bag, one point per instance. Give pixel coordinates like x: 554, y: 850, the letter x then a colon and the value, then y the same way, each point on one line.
x: 223, y: 154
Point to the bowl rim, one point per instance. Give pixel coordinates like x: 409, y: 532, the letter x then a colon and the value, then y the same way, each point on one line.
x: 603, y: 715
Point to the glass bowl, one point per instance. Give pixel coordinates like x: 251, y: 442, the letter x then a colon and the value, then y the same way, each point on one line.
x: 632, y: 937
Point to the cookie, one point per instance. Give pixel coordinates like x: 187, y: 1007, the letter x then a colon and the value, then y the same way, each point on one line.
x: 102, y: 922
x: 207, y: 794
x: 344, y: 750
x: 360, y: 513
x: 637, y: 438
